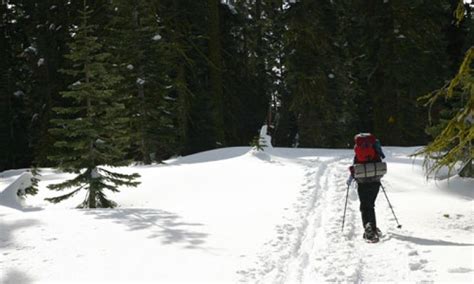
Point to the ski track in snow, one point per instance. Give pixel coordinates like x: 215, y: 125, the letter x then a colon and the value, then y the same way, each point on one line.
x: 309, y: 246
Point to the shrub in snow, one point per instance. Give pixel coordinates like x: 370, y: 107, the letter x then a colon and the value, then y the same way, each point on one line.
x: 257, y: 143
x: 32, y: 189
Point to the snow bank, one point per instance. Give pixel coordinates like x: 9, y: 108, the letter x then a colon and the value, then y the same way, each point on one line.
x: 9, y: 196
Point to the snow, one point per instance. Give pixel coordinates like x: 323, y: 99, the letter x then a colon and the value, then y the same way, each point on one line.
x: 265, y: 139
x: 9, y: 196
x: 95, y: 173
x: 40, y: 62
x: 239, y: 215
x: 140, y: 81
x: 230, y: 5
x: 156, y: 37
x: 19, y: 93
x: 34, y: 117
x: 31, y: 49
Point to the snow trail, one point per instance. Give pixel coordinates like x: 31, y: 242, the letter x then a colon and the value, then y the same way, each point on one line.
x: 316, y: 215
x: 310, y: 247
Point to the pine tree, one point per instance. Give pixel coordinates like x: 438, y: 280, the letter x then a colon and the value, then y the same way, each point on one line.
x: 454, y: 132
x: 91, y: 131
x: 46, y: 29
x: 314, y: 75
x: 402, y: 57
x: 37, y: 36
x: 454, y: 143
x: 35, y: 178
x: 14, y: 144
x: 245, y: 37
x: 143, y: 55
x: 215, y: 72
x: 5, y: 87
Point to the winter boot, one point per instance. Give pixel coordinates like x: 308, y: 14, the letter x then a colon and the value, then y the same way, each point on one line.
x: 370, y: 234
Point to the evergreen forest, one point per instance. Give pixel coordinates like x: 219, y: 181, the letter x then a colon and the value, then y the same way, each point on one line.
x: 106, y: 82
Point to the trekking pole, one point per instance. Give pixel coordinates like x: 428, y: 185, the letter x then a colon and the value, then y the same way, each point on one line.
x: 383, y: 189
x: 345, y: 207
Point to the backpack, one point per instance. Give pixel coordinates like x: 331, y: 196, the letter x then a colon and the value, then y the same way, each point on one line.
x: 364, y: 148
x: 368, y: 166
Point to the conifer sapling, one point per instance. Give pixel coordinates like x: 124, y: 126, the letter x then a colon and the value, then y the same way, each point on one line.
x: 91, y: 128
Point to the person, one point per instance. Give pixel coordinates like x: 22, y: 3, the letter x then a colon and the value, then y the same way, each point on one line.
x: 368, y: 189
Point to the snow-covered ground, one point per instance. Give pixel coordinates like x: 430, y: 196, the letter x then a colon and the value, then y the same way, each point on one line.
x: 236, y: 215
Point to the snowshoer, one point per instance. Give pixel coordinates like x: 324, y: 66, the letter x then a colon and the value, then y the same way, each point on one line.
x: 367, y: 171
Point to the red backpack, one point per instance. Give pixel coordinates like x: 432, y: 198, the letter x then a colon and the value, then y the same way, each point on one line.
x: 364, y: 148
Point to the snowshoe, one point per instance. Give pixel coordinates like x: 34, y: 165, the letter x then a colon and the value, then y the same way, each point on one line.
x: 371, y: 235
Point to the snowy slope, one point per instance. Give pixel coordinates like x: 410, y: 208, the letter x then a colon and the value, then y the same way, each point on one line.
x: 235, y: 215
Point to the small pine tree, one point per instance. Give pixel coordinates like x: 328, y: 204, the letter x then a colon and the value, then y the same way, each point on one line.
x: 33, y: 188
x: 258, y: 143
x: 91, y: 130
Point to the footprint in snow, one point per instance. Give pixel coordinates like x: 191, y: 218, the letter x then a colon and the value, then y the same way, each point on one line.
x: 413, y: 253
x: 460, y: 270
x: 418, y: 265
x: 415, y: 266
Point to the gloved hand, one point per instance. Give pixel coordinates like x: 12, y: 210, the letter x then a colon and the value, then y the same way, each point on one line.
x: 349, y: 180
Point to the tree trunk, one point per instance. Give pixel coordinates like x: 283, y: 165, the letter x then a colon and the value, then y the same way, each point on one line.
x: 183, y: 106
x: 216, y: 72
x: 92, y: 189
x: 144, y: 149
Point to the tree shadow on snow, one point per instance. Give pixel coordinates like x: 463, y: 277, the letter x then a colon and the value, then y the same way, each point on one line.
x: 7, y: 245
x: 6, y: 230
x: 161, y: 224
x: 426, y: 242
x: 14, y: 276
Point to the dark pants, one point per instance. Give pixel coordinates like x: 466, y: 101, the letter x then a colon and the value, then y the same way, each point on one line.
x: 367, y: 195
